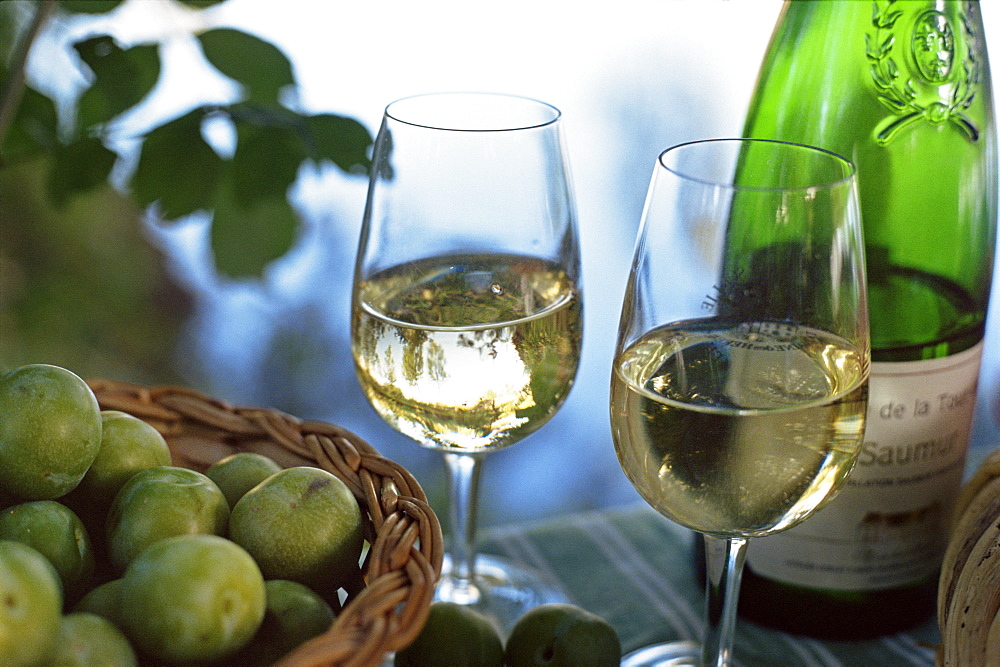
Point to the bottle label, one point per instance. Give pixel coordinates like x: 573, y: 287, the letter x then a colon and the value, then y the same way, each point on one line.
x: 888, y: 525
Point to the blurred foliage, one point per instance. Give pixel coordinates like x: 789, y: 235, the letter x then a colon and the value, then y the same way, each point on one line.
x: 80, y: 286
x: 80, y: 283
x: 179, y: 172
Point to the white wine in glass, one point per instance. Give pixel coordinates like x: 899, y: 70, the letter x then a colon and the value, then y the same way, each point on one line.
x: 468, y: 352
x: 467, y: 305
x: 740, y: 379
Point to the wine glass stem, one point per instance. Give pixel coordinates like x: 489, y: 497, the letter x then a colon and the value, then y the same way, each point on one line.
x: 724, y: 565
x: 463, y: 485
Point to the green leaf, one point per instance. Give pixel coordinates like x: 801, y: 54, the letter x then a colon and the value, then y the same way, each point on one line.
x: 201, y: 4
x: 266, y: 114
x: 35, y: 127
x: 90, y: 6
x: 246, y: 237
x: 78, y: 167
x: 344, y: 141
x: 177, y: 168
x: 266, y: 162
x: 259, y: 66
x: 122, y: 78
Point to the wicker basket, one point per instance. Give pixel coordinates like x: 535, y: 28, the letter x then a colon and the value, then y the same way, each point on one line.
x: 403, y: 562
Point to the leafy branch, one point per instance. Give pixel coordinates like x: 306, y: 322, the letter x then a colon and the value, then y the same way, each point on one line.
x: 178, y: 172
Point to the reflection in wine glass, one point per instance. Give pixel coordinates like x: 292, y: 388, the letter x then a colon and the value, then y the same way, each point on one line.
x: 738, y: 403
x: 467, y: 312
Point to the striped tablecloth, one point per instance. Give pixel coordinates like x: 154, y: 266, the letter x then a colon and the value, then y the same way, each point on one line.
x: 632, y: 567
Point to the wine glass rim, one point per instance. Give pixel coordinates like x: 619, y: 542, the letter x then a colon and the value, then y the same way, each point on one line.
x: 849, y: 173
x: 553, y: 114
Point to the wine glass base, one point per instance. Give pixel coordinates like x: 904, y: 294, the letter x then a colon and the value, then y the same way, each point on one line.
x: 501, y: 590
x: 672, y: 654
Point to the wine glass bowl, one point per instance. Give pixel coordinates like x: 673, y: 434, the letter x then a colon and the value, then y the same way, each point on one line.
x: 739, y: 386
x: 738, y: 469
x: 467, y: 303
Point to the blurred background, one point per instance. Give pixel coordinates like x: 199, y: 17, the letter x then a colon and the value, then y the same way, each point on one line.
x: 100, y: 285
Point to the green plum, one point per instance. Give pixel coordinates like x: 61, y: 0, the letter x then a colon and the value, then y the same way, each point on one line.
x: 161, y: 502
x: 304, y: 524
x: 454, y: 635
x: 238, y: 473
x: 562, y: 635
x: 87, y: 640
x: 50, y: 432
x: 56, y: 532
x: 128, y: 445
x: 32, y: 608
x: 192, y: 598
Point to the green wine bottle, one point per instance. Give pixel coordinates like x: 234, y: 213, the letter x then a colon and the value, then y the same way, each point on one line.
x: 902, y: 88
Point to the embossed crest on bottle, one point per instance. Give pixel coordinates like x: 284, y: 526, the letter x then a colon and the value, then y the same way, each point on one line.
x: 935, y: 79
x: 933, y: 46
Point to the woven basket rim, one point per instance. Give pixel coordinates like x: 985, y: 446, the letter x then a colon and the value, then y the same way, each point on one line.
x: 403, y: 562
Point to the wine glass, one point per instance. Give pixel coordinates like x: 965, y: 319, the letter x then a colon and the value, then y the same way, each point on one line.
x: 740, y: 377
x: 466, y: 322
